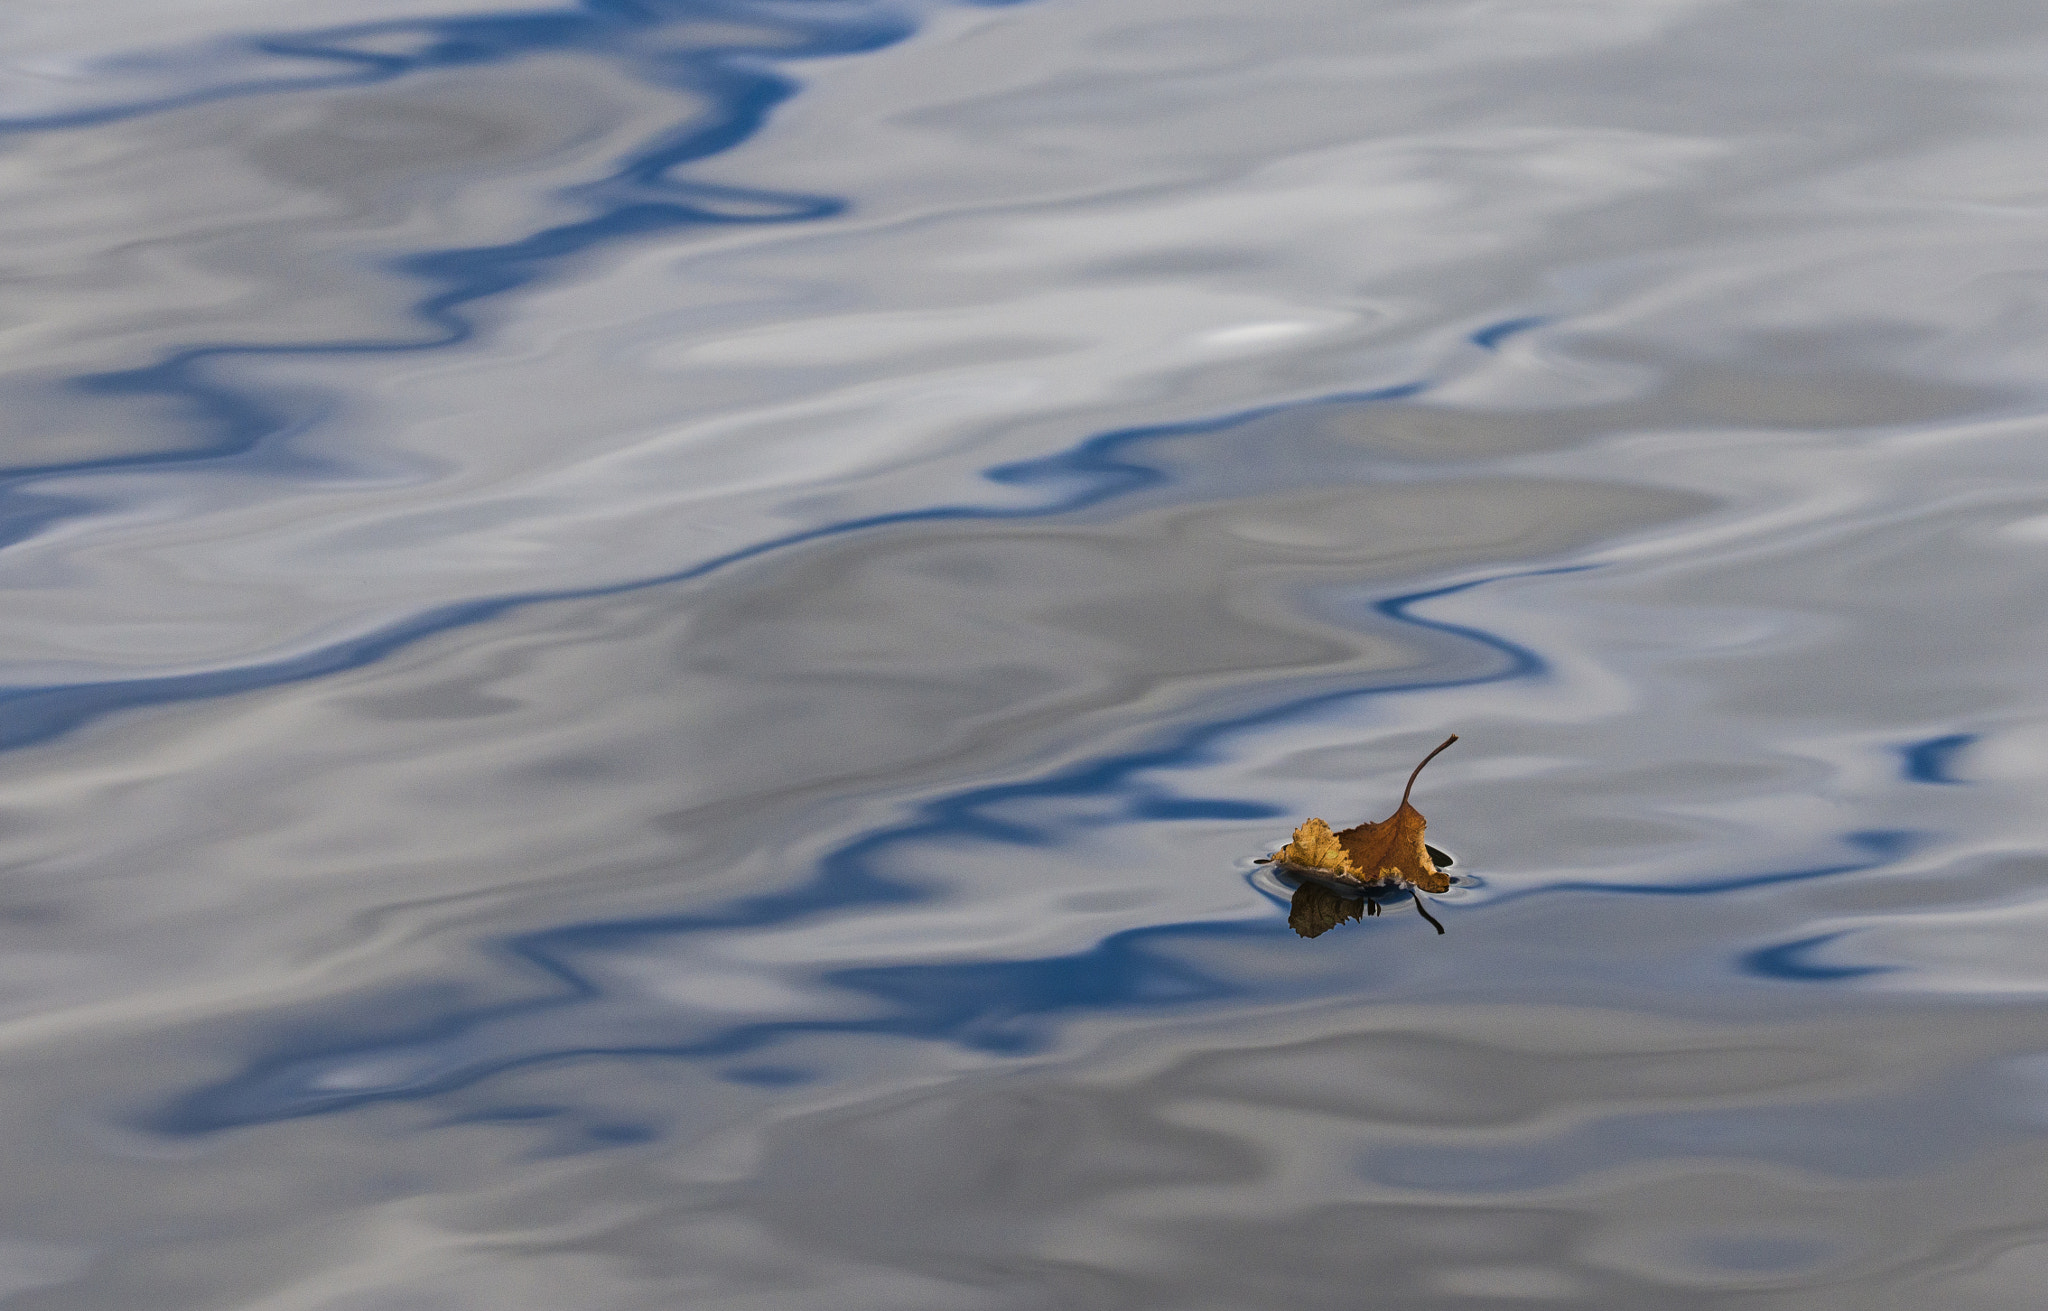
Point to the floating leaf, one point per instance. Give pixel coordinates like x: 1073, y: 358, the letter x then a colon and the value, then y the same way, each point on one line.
x: 1390, y: 851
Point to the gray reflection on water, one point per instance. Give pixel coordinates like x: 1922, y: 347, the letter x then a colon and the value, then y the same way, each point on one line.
x: 1222, y: 1177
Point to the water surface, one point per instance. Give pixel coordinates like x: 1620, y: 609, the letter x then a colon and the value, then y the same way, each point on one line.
x: 649, y: 644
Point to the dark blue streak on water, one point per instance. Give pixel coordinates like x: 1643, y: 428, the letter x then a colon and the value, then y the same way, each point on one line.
x: 1793, y: 961
x: 1097, y: 470
x: 723, y: 77
x: 1492, y: 335
x: 1936, y: 759
x: 1883, y: 846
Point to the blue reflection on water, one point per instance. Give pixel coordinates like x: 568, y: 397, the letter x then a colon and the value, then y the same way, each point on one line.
x: 1001, y: 1007
x: 1936, y: 759
x: 1092, y: 472
x: 1493, y: 334
x: 1795, y: 960
x: 1883, y: 846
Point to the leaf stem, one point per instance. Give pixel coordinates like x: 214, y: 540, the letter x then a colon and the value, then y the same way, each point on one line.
x: 1420, y: 909
x: 1418, y: 769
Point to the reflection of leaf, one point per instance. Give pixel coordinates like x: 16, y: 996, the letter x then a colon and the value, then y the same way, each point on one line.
x: 1316, y: 910
x: 1390, y: 851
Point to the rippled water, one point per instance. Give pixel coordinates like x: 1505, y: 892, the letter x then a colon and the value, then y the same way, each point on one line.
x: 648, y: 645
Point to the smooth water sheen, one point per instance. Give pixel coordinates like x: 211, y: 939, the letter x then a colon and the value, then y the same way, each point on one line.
x: 648, y: 644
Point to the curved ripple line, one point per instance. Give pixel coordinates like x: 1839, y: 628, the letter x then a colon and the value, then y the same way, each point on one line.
x: 1883, y: 845
x: 1794, y: 961
x: 1492, y: 335
x: 1094, y: 471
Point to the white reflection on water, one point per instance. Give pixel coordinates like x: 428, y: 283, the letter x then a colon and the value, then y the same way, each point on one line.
x: 616, y: 698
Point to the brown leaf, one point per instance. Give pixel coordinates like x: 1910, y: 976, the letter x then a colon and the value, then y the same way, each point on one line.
x: 1315, y: 847
x: 1391, y: 851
